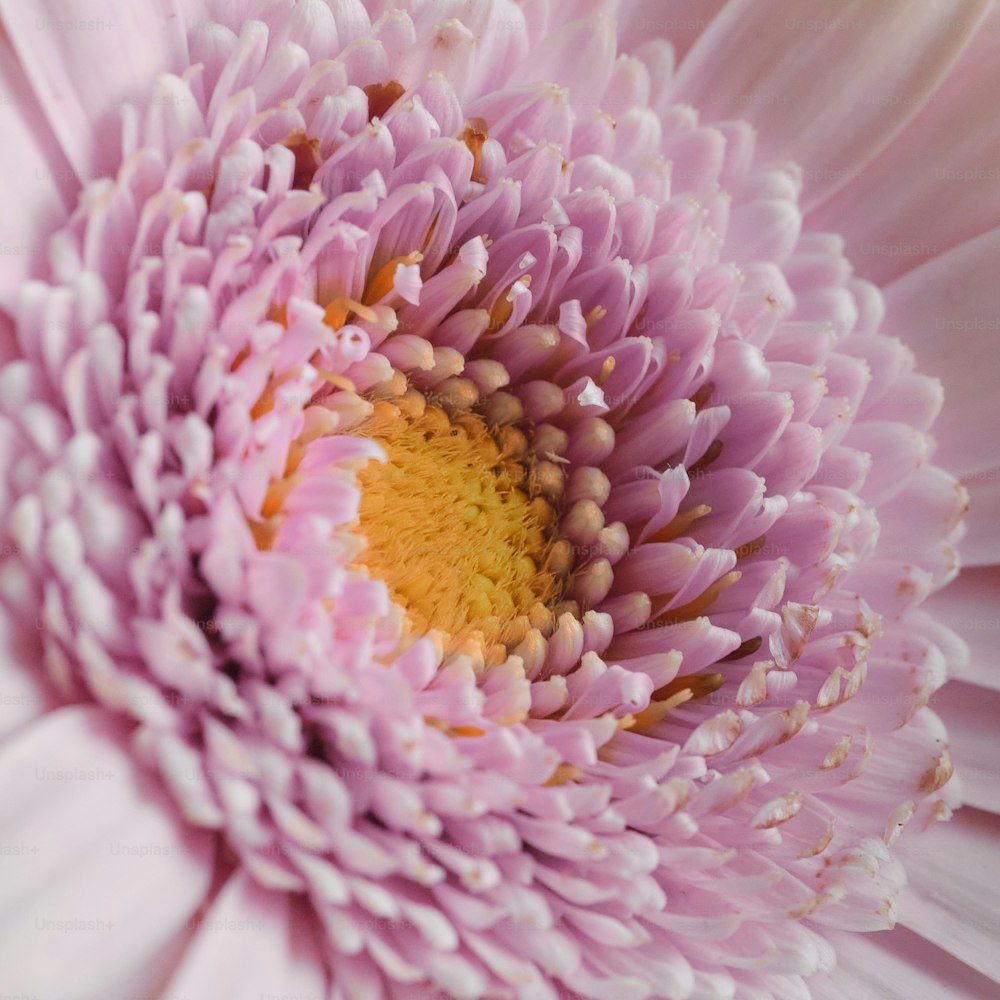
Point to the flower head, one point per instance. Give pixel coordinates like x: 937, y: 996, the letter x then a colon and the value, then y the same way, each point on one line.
x: 485, y: 509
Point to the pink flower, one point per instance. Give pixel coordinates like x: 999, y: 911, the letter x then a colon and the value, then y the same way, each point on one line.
x: 466, y: 530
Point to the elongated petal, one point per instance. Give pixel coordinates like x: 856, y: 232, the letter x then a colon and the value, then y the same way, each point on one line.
x: 944, y: 902
x: 676, y: 20
x: 981, y: 545
x: 969, y: 606
x: 26, y: 694
x: 59, y: 42
x: 970, y: 713
x: 98, y: 862
x: 948, y: 312
x: 39, y: 184
x: 251, y: 941
x: 907, y: 207
x: 897, y: 965
x: 881, y: 61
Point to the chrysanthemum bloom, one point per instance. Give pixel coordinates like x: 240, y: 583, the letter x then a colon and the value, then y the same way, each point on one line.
x: 464, y: 536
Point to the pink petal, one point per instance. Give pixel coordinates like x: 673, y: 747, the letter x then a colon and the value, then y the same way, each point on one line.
x: 25, y: 695
x: 59, y: 42
x: 579, y: 56
x: 891, y: 214
x: 897, y: 965
x: 970, y: 713
x: 981, y: 544
x: 252, y: 942
x: 103, y: 864
x: 777, y: 64
x: 680, y: 21
x: 948, y: 311
x: 953, y: 904
x: 37, y: 181
x: 971, y: 606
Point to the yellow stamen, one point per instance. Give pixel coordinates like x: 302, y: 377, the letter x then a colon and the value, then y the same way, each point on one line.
x: 700, y: 604
x: 680, y: 524
x: 563, y: 774
x: 656, y: 711
x: 749, y: 548
x: 277, y: 494
x: 474, y: 135
x: 504, y: 306
x: 699, y: 685
x: 339, y: 309
x: 382, y: 281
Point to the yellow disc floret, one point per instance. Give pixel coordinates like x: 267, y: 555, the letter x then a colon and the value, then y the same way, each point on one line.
x: 451, y: 526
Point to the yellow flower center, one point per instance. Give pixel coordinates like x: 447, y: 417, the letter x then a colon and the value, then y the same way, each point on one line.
x: 452, y: 528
